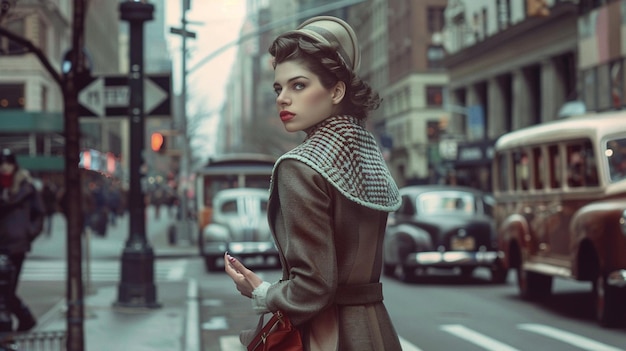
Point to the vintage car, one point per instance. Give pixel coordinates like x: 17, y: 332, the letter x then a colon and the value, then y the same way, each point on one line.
x: 442, y: 227
x: 239, y: 226
x: 560, y: 189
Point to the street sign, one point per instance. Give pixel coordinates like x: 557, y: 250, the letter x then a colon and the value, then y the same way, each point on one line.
x: 109, y: 96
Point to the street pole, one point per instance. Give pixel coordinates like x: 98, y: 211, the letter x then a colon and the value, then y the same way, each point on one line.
x: 136, y: 288
x: 74, y: 288
x: 183, y: 176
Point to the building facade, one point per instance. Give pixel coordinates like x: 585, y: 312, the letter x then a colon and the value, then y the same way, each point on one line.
x: 31, y: 100
x: 512, y: 64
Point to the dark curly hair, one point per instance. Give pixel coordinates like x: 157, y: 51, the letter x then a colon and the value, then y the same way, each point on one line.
x: 325, y: 62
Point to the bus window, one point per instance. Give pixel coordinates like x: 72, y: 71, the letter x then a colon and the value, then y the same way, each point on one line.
x: 503, y: 174
x: 538, y: 168
x: 554, y: 168
x: 581, y: 165
x: 522, y: 174
x: 616, y: 154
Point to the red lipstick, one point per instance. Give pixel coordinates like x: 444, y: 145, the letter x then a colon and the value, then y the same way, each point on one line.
x: 286, y: 115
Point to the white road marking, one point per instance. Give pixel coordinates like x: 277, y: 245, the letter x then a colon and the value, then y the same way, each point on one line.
x: 101, y: 271
x: 192, y: 331
x: 215, y: 323
x: 231, y: 343
x: 567, y: 337
x: 476, y: 338
x: 177, y: 272
x: 407, y: 346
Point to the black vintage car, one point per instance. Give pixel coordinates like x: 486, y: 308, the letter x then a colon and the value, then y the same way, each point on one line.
x: 443, y: 227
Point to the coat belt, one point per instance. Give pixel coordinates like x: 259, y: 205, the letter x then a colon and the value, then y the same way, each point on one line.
x: 359, y: 294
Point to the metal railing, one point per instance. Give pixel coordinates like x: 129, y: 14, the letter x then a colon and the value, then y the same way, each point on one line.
x: 34, y: 341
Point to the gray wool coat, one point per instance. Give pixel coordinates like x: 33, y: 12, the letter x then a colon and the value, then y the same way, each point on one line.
x: 327, y: 242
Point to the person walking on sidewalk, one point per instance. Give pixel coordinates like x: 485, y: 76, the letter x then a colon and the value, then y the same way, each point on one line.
x: 21, y: 220
x: 329, y: 198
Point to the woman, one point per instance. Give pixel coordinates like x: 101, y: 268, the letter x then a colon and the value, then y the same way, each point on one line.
x: 329, y: 197
x: 21, y: 221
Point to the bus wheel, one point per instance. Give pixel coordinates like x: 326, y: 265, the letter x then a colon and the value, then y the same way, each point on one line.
x: 609, y: 304
x: 533, y: 286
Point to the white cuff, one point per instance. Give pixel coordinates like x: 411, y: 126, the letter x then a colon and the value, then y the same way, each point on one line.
x: 259, y: 303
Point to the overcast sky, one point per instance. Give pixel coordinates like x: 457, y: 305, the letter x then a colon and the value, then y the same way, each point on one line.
x: 216, y: 24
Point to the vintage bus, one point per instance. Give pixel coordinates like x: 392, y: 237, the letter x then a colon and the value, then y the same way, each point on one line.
x: 560, y: 190
x: 228, y: 171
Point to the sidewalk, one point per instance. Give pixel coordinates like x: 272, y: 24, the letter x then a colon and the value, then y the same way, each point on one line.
x: 173, y: 326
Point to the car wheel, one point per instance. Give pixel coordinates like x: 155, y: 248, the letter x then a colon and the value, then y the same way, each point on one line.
x: 467, y: 272
x: 532, y: 285
x: 406, y: 274
x: 388, y: 269
x: 499, y: 274
x: 210, y: 263
x: 608, y: 302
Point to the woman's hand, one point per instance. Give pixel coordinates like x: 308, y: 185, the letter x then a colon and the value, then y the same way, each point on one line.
x: 245, y: 279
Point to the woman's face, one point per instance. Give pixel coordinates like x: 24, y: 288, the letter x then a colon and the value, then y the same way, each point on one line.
x: 301, y: 100
x: 6, y: 167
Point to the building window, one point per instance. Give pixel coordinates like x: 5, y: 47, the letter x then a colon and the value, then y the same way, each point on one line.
x: 434, y: 96
x: 9, y: 46
x: 590, y: 88
x: 435, y: 55
x: 504, y: 13
x: 588, y: 5
x: 484, y: 22
x: 435, y: 19
x: 617, y: 84
x: 43, y: 39
x: 12, y: 96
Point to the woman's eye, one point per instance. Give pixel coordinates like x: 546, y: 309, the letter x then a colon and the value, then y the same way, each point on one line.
x: 298, y: 86
x: 277, y: 91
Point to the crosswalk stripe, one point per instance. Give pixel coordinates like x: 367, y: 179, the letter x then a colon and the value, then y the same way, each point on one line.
x: 103, y: 271
x: 567, y: 337
x: 476, y: 338
x: 231, y: 343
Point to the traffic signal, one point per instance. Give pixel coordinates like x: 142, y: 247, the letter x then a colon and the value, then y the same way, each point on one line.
x: 537, y: 8
x: 158, y: 142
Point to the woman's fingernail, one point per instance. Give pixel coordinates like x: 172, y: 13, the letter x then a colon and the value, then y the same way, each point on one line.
x: 231, y: 258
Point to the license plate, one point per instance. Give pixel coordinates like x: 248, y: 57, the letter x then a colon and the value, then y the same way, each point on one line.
x: 463, y: 244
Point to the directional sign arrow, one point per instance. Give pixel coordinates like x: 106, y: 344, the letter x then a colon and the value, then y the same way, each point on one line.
x: 92, y: 97
x: 154, y: 95
x: 110, y: 96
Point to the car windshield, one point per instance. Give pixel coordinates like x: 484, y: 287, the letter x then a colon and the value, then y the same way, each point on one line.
x: 616, y: 155
x: 250, y: 206
x: 446, y: 202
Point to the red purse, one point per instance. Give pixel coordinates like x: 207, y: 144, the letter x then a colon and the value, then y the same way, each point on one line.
x: 278, y: 334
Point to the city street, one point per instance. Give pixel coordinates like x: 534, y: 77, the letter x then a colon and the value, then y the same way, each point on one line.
x: 439, y: 313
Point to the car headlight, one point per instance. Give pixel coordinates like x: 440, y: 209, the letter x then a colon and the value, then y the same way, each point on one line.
x: 622, y: 222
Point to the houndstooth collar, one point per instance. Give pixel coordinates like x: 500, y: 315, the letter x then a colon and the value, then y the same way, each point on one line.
x: 347, y: 156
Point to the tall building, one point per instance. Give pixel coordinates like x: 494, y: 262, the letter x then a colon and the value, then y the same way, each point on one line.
x: 412, y: 85
x: 31, y: 100
x: 512, y: 63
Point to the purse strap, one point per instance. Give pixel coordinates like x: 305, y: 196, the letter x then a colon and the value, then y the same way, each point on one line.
x: 359, y: 294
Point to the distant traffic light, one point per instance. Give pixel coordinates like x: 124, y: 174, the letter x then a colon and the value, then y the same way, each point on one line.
x: 158, y: 142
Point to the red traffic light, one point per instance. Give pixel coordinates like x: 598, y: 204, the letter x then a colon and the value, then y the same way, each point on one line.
x: 157, y: 142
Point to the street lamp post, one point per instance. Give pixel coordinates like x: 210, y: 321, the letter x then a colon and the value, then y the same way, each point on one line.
x: 137, y: 288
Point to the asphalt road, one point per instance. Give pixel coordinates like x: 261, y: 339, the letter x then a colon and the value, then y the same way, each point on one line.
x: 439, y: 313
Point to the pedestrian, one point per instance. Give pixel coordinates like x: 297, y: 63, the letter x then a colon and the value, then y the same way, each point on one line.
x: 329, y: 197
x: 49, y: 197
x: 21, y: 221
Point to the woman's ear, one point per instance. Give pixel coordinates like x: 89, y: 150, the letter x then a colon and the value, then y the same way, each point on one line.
x: 339, y: 91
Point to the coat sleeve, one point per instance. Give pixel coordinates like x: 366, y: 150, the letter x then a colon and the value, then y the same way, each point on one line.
x: 305, y: 237
x: 37, y: 214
